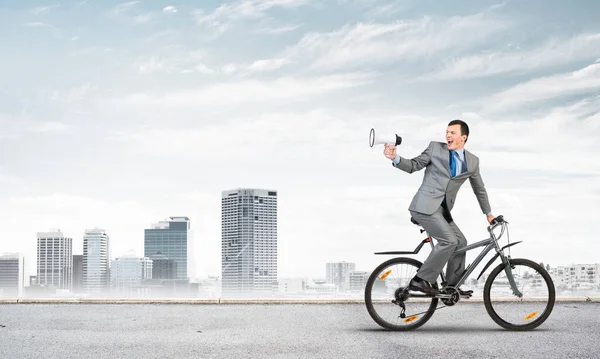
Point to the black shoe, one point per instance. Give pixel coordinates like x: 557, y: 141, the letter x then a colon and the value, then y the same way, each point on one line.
x: 422, y: 286
x: 460, y: 291
x: 465, y: 292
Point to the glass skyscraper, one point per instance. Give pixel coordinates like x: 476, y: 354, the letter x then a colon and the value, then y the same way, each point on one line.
x: 96, y: 261
x: 248, y: 240
x: 171, y: 239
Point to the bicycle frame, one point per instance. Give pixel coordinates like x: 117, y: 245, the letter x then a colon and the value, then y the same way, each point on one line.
x: 489, y: 243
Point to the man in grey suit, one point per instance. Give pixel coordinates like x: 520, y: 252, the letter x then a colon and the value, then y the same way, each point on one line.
x: 447, y: 166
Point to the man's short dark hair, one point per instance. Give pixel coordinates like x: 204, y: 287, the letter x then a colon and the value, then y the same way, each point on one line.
x: 464, y: 128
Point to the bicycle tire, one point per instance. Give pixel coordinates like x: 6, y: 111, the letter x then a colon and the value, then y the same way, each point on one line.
x: 369, y: 302
x: 551, y: 294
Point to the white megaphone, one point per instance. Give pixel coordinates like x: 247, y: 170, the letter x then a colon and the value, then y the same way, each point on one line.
x: 389, y: 139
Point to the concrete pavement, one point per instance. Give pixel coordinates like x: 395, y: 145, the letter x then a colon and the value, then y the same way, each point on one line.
x: 58, y: 330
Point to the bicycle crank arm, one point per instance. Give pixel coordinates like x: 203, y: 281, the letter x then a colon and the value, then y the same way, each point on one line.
x: 439, y: 296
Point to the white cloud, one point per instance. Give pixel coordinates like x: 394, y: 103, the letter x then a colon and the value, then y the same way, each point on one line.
x: 170, y: 9
x: 37, y: 24
x: 75, y: 94
x: 173, y: 60
x: 190, y: 63
x: 253, y: 91
x: 518, y: 61
x: 124, y: 7
x: 17, y: 126
x: 41, y: 9
x: 577, y: 82
x: 263, y: 133
x: 366, y: 44
x: 142, y: 18
x: 544, y: 147
x: 167, y: 35
x: 372, y: 44
x: 127, y: 10
x: 51, y: 127
x: 225, y: 14
x: 387, y: 10
x: 203, y: 69
x: 153, y: 65
x: 277, y: 30
x: 229, y: 69
x: 5, y: 178
x: 268, y: 64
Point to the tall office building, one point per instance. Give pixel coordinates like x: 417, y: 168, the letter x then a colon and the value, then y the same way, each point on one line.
x: 338, y: 273
x: 77, y: 273
x: 129, y: 272
x: 173, y: 239
x: 54, y: 260
x: 248, y: 240
x: 12, y: 275
x: 96, y: 261
x: 163, y: 267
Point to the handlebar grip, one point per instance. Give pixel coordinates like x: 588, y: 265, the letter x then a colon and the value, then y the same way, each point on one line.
x: 498, y: 219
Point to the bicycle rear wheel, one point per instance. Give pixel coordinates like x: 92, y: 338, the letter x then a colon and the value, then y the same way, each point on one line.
x: 385, y: 285
x: 512, y: 312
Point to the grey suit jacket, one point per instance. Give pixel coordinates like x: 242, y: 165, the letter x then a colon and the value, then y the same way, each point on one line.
x: 437, y: 181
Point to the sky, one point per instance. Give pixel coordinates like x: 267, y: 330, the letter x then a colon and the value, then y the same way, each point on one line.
x: 120, y: 114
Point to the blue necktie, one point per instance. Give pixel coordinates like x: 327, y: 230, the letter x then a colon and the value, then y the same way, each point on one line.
x: 453, y: 158
x: 452, y: 163
x: 463, y: 169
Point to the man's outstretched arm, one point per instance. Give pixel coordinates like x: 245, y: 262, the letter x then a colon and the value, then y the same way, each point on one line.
x: 416, y: 163
x: 481, y: 194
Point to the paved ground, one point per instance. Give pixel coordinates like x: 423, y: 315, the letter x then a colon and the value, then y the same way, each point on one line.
x: 282, y: 331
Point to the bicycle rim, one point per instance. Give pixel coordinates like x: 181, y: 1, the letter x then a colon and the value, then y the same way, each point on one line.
x: 381, y: 289
x: 512, y: 312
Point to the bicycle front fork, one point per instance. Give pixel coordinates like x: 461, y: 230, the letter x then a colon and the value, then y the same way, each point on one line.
x: 508, y: 267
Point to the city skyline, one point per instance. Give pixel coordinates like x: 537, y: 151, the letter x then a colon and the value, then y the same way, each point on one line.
x: 119, y: 114
x: 30, y: 266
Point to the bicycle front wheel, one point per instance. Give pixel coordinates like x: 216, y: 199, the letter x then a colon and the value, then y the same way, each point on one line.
x: 512, y: 312
x: 384, y: 296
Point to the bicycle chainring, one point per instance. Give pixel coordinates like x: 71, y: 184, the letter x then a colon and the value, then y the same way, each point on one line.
x: 454, y: 296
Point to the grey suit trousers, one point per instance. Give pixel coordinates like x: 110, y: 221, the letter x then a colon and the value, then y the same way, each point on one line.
x: 449, y: 238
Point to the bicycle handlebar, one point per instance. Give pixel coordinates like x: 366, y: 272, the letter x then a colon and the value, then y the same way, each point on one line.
x: 496, y: 222
x: 498, y: 219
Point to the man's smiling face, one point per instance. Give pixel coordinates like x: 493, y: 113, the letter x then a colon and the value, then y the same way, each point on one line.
x: 454, y: 139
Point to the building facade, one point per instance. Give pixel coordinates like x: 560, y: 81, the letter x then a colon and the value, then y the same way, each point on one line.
x: 338, y: 274
x: 54, y: 260
x: 12, y: 275
x: 77, y: 273
x: 248, y: 240
x: 172, y: 239
x: 130, y: 272
x: 358, y: 280
x: 163, y: 267
x: 576, y: 277
x: 96, y: 261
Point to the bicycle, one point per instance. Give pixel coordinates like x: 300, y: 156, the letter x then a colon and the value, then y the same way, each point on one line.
x: 387, y: 281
